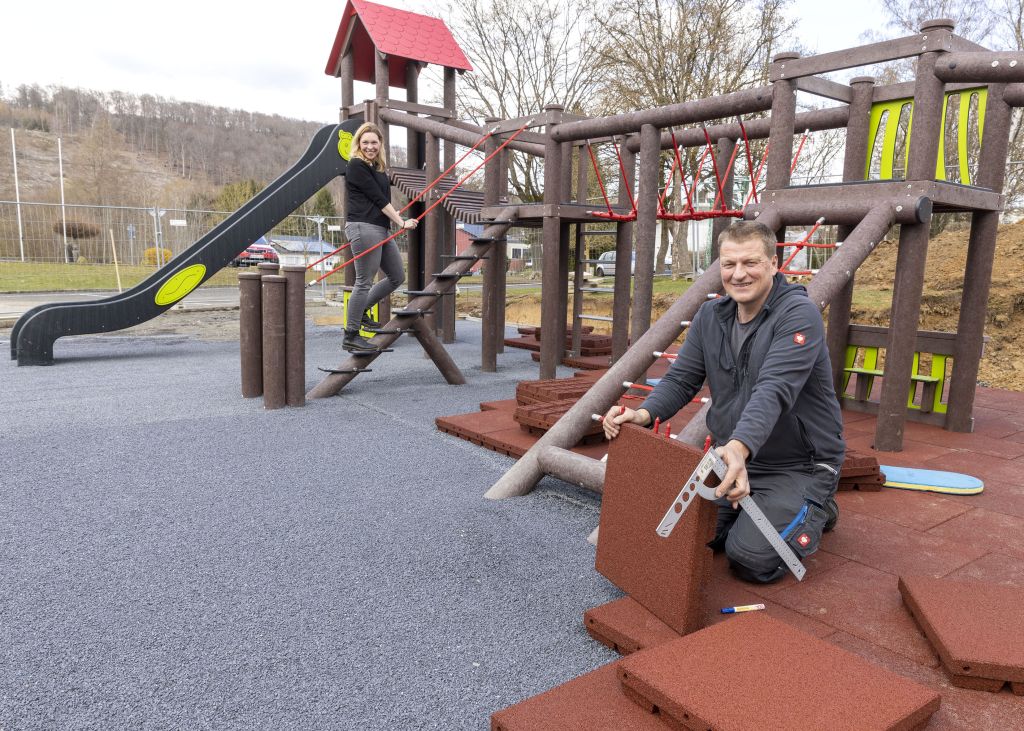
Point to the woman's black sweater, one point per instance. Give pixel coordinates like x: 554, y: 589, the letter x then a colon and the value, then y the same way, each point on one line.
x: 367, y: 192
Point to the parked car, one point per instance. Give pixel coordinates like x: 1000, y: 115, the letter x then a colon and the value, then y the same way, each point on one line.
x: 605, y: 265
x: 255, y: 254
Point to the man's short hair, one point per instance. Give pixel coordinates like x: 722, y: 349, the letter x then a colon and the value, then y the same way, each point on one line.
x: 741, y: 231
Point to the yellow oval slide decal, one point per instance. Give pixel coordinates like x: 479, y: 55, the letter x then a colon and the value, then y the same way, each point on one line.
x: 180, y: 284
x: 344, y: 143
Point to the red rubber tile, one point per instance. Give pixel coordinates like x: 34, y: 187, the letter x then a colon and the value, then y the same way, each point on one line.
x: 476, y: 422
x: 910, y: 508
x: 896, y: 549
x: 551, y: 390
x: 865, y: 603
x: 527, y: 342
x: 757, y: 672
x: 503, y: 405
x: 591, y: 702
x: 1004, y: 533
x: 995, y: 398
x: 999, y: 496
x: 595, y: 450
x: 977, y: 628
x: 592, y: 362
x: 914, y: 453
x: 976, y: 443
x: 644, y: 475
x: 725, y: 590
x: 995, y: 568
x: 626, y: 627
x: 962, y: 710
x: 514, y: 442
x: 861, y: 484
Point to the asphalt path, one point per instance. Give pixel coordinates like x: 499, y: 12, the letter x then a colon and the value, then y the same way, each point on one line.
x: 175, y: 556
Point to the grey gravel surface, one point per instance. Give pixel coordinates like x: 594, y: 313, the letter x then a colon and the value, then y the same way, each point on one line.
x: 174, y: 556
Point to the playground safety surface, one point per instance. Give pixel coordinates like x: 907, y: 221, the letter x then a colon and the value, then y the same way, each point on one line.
x: 175, y: 556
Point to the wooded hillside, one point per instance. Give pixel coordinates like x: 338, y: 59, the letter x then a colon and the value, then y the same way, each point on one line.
x: 123, y: 149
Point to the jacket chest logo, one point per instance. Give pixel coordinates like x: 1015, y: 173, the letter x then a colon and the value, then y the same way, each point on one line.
x: 799, y: 339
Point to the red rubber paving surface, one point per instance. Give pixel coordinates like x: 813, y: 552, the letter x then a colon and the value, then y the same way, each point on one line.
x: 626, y: 627
x: 989, y: 646
x: 757, y: 672
x: 994, y: 568
x: 502, y: 405
x: 591, y: 702
x: 851, y: 584
x: 897, y: 550
x: 864, y: 602
x: 961, y: 709
x: 643, y: 478
x: 920, y: 511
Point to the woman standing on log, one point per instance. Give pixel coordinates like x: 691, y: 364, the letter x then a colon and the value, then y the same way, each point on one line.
x: 369, y: 214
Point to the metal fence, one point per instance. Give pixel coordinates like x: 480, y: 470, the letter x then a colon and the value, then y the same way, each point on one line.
x: 51, y: 232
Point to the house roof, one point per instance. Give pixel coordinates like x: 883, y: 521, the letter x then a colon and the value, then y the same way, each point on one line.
x: 400, y: 35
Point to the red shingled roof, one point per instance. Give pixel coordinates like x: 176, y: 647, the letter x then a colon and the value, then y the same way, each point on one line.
x: 401, y: 35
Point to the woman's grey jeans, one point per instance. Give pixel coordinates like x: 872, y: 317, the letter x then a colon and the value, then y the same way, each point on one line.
x: 363, y: 236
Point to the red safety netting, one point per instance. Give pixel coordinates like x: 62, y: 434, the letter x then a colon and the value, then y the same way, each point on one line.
x: 798, y: 246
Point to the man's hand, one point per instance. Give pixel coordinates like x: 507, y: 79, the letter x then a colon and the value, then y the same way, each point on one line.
x: 735, y: 486
x: 410, y: 223
x: 621, y: 415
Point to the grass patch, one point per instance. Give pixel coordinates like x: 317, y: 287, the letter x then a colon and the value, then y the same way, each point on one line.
x: 20, y: 276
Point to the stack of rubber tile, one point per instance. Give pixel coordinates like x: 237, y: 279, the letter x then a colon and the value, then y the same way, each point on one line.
x: 511, y: 427
x: 590, y: 344
x: 549, y: 390
x: 752, y: 672
x: 860, y: 472
x: 977, y: 629
x: 537, y: 418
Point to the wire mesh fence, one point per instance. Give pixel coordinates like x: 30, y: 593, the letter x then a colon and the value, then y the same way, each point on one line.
x: 75, y: 233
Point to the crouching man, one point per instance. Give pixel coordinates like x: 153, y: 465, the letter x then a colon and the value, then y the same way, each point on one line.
x: 774, y: 416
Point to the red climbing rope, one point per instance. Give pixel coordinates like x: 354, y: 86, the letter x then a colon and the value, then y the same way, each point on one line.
x: 611, y: 215
x: 422, y: 193
x: 798, y: 246
x: 432, y: 206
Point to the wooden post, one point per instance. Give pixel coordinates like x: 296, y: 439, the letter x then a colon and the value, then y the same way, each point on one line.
x: 978, y: 274
x: 854, y: 164
x: 431, y: 227
x: 552, y: 320
x: 646, y: 228
x: 492, y: 265
x: 250, y: 339
x: 910, y: 259
x: 447, y: 222
x: 780, y: 137
x: 623, y: 252
x: 274, y: 363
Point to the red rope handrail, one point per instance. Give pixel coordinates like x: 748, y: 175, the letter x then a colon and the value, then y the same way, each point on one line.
x: 432, y: 206
x: 418, y: 196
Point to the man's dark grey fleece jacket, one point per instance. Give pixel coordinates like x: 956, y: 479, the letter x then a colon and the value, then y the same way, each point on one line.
x: 777, y: 397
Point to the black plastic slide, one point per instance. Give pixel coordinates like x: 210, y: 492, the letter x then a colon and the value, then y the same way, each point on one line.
x: 326, y: 157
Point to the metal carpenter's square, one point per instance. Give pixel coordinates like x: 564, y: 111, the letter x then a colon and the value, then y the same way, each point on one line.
x: 696, y: 485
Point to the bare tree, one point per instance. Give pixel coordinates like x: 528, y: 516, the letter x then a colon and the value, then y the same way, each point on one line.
x: 526, y: 54
x: 658, y: 52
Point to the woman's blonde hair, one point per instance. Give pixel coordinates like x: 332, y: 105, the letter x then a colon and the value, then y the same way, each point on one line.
x: 381, y: 162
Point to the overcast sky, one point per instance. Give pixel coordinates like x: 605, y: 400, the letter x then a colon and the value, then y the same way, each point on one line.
x: 254, y: 56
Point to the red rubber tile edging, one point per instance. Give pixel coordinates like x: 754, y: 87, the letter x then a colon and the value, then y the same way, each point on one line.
x: 755, y: 672
x: 976, y: 627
